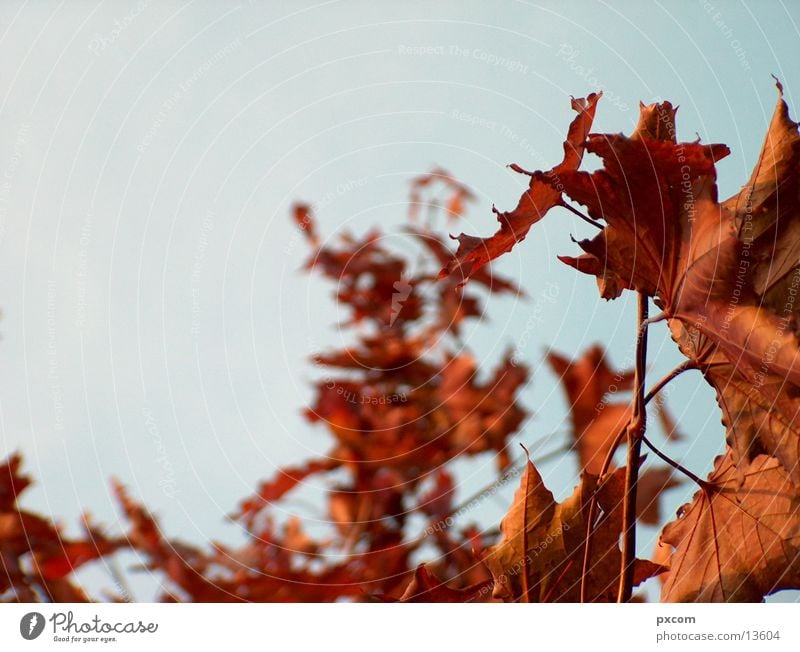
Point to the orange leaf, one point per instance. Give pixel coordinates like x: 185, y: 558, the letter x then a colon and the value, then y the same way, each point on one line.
x: 736, y: 542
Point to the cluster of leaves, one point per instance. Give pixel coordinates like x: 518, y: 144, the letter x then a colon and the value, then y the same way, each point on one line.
x: 407, y: 399
x: 401, y: 404
x: 37, y: 560
x: 725, y: 276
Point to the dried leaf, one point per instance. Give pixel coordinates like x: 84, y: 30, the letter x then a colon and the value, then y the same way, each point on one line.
x: 726, y: 275
x: 651, y: 486
x: 426, y: 587
x: 285, y: 480
x: 304, y: 218
x: 589, y: 382
x: 736, y: 542
x: 540, y: 555
x: 544, y: 192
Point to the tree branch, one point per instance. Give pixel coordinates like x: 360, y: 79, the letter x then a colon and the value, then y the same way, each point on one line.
x: 636, y: 431
x: 587, y: 551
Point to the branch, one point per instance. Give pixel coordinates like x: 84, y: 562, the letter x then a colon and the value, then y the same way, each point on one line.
x: 587, y: 551
x: 636, y: 431
x: 672, y: 375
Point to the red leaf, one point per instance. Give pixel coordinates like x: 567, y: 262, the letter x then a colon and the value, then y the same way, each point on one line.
x: 544, y: 192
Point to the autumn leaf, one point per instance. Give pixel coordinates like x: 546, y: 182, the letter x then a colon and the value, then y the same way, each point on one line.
x: 304, y: 218
x: 736, y: 542
x: 544, y: 192
x: 12, y: 482
x: 589, y: 382
x: 725, y: 274
x: 285, y: 480
x: 454, y: 307
x: 670, y: 428
x: 145, y: 534
x: 484, y: 275
x: 458, y: 194
x: 34, y: 551
x: 72, y: 554
x: 426, y: 587
x: 651, y: 486
x: 540, y: 555
x: 659, y: 228
x: 437, y: 502
x: 366, y: 274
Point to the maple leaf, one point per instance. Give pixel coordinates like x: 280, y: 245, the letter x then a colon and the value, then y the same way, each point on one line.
x: 544, y: 192
x: 366, y: 275
x: 12, y: 482
x: 455, y: 307
x: 426, y: 587
x: 725, y: 274
x: 304, y: 218
x: 459, y: 194
x: 669, y: 426
x: 35, y: 554
x: 483, y: 275
x: 285, y: 480
x: 540, y: 555
x: 588, y: 382
x: 651, y: 485
x: 659, y: 229
x: 295, y: 538
x: 394, y: 356
x: 482, y: 415
x: 735, y: 542
x: 70, y: 555
x: 437, y: 502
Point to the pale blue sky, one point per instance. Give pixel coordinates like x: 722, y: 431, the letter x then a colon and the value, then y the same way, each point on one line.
x: 155, y: 326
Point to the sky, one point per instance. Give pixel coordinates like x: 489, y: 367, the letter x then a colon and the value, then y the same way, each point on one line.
x: 155, y: 323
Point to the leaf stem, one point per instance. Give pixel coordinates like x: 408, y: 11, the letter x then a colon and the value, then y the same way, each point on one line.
x: 675, y: 465
x: 636, y: 431
x: 672, y: 375
x: 585, y: 218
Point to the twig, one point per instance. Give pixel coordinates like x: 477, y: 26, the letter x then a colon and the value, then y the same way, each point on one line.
x: 587, y: 551
x: 636, y: 430
x: 672, y: 375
